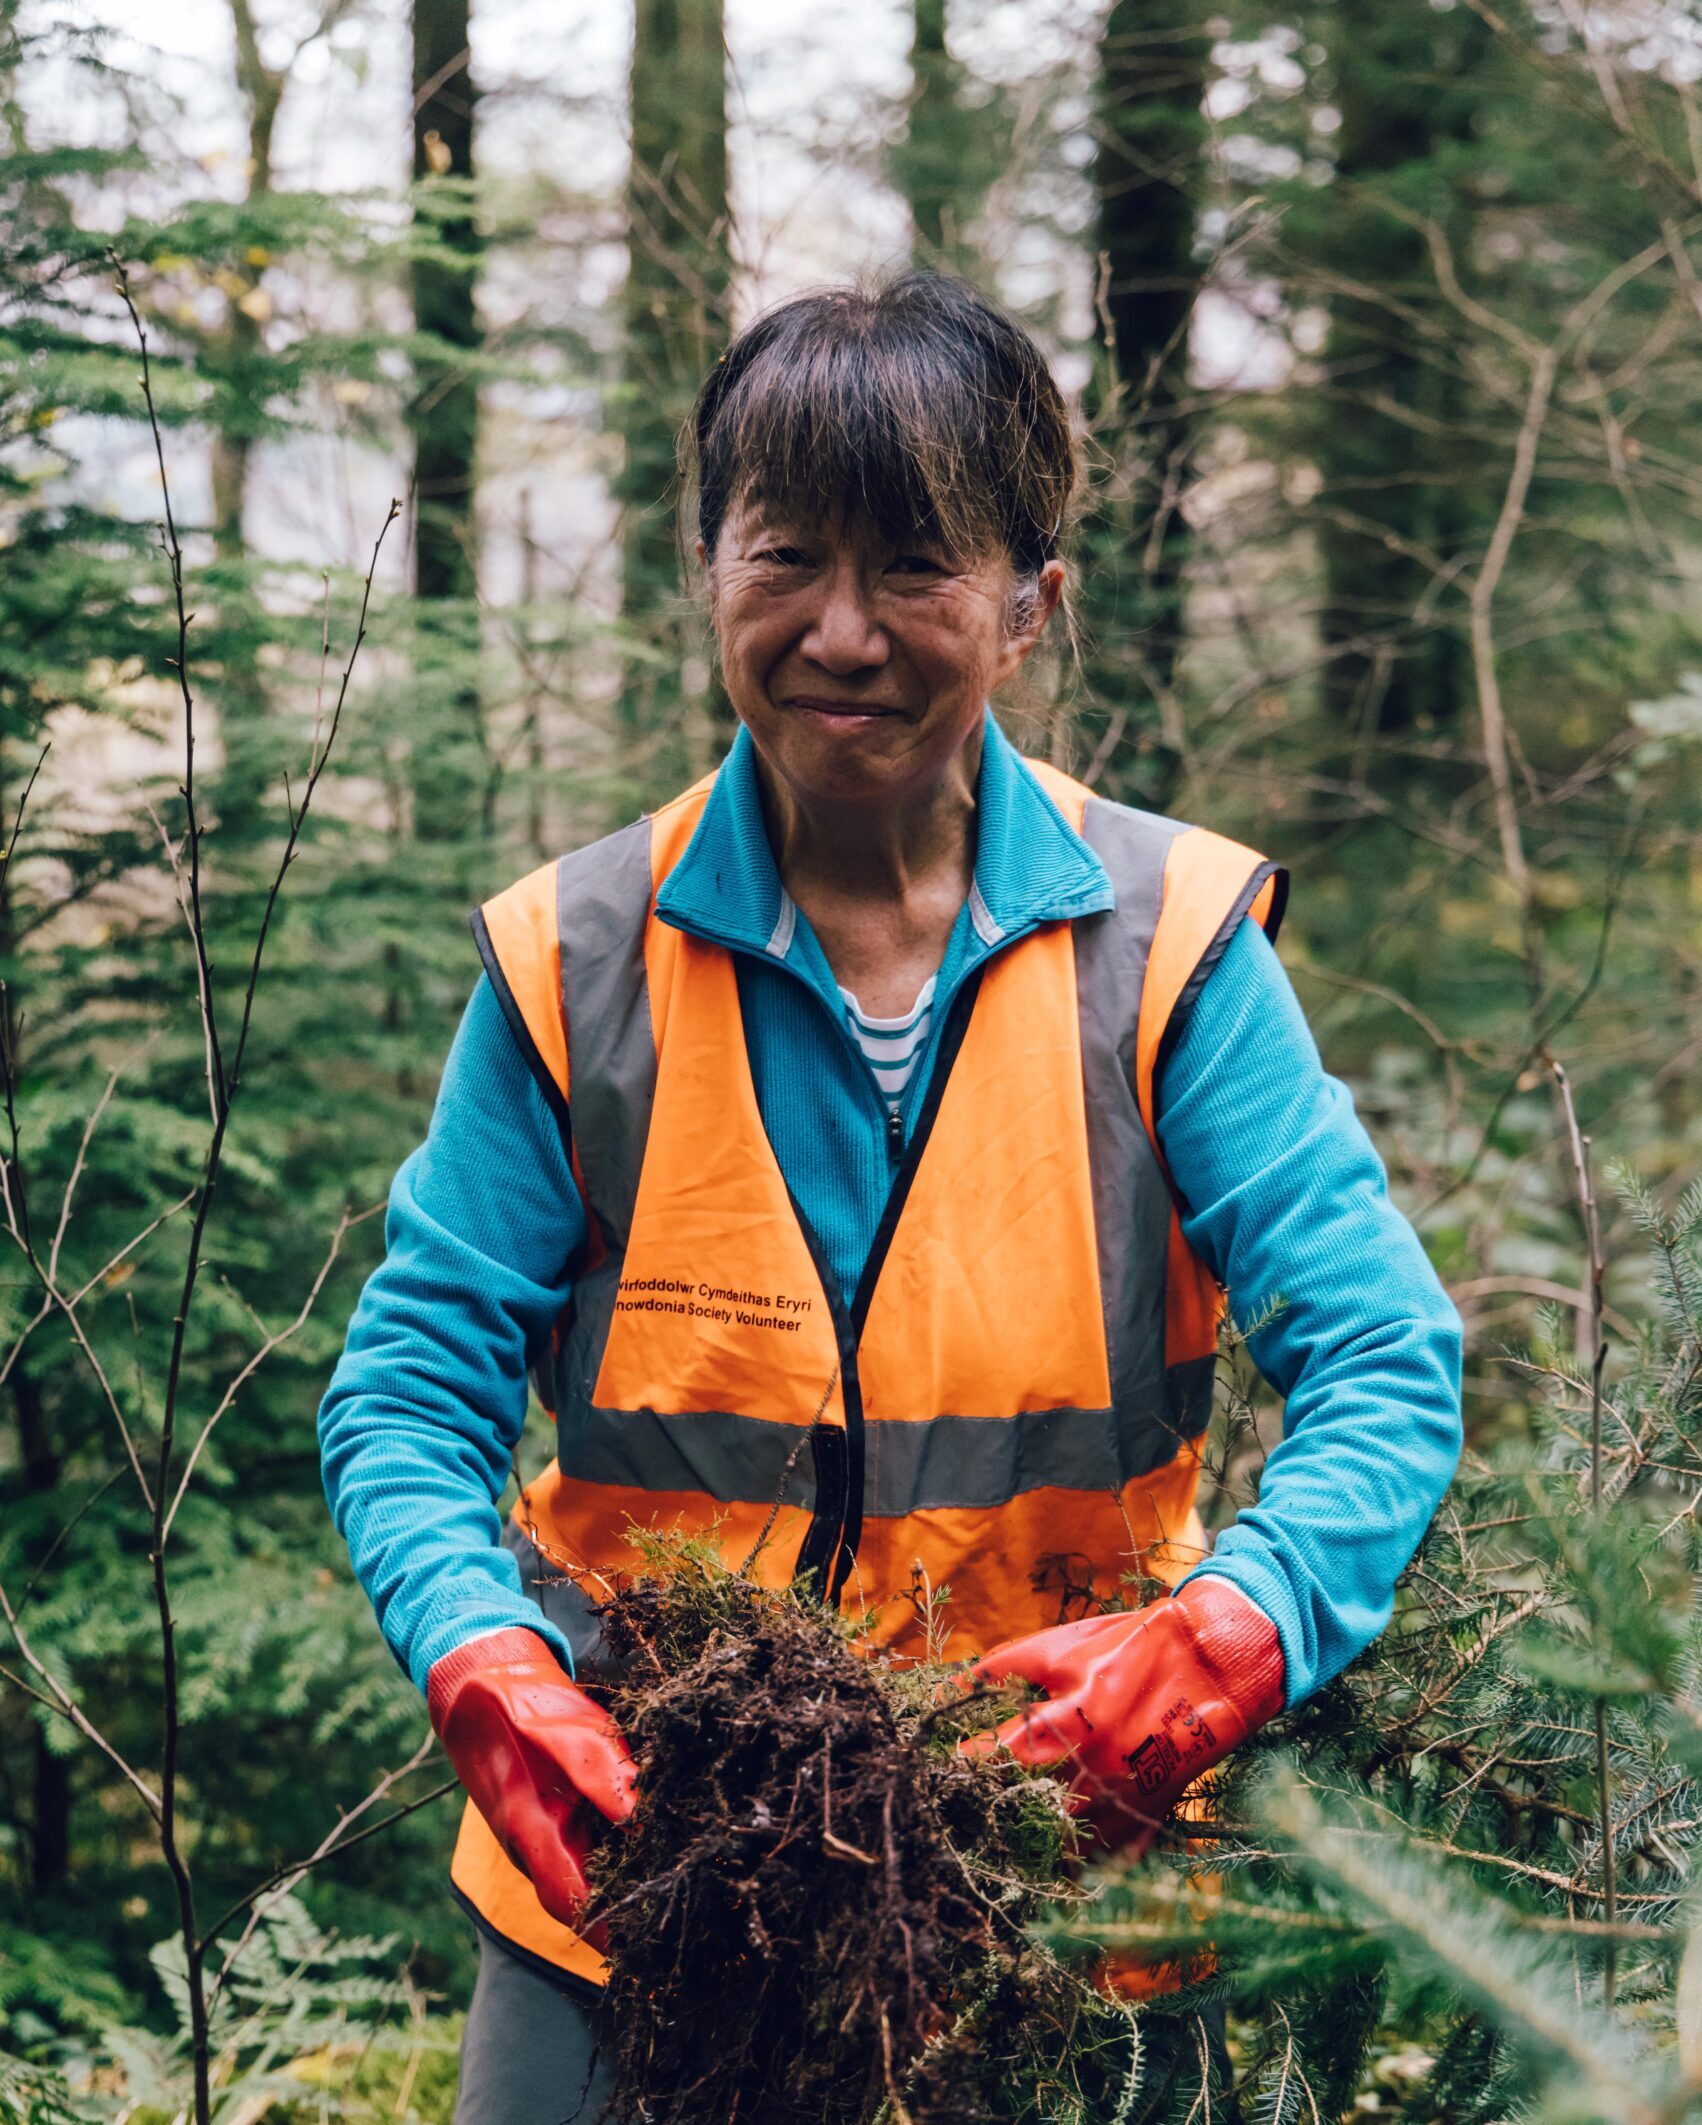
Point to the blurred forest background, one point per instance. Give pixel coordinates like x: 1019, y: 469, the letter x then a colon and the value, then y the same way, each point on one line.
x: 1383, y: 319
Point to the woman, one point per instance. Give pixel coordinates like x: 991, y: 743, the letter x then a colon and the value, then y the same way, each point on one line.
x: 860, y: 1148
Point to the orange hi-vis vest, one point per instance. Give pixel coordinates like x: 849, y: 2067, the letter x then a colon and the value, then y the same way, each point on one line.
x: 1012, y: 1404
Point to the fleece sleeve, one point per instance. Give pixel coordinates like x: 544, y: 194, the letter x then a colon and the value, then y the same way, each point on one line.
x: 1285, y: 1198
x: 418, y: 1426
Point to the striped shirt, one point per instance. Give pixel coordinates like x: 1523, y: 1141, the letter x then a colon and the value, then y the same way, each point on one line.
x: 892, y: 1047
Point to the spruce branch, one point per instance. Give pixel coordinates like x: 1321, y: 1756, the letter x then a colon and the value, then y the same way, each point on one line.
x: 1466, y: 1935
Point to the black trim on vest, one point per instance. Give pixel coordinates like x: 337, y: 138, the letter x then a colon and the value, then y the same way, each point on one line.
x: 517, y: 1022
x: 818, y: 1553
x: 1196, y: 981
x: 830, y: 1545
x: 585, y: 1990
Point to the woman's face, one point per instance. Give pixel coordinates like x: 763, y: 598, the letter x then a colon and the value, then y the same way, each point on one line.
x: 860, y: 668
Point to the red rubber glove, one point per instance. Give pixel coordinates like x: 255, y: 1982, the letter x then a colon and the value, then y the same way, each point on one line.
x: 1143, y: 1702
x: 540, y: 1760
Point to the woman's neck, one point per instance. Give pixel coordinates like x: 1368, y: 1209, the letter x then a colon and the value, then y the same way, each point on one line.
x: 881, y: 889
x: 923, y: 846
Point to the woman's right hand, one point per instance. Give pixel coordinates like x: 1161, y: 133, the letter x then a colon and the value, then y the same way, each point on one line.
x: 541, y: 1761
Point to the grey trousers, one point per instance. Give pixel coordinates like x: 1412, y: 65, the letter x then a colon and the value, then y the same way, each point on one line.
x: 534, y: 2053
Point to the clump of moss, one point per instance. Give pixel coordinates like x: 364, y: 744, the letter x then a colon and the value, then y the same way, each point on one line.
x: 819, y: 1913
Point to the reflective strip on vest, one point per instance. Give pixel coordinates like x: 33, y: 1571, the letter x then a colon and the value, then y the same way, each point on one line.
x: 1012, y: 1403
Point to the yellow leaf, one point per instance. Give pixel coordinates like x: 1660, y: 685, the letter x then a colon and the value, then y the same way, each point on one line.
x: 256, y: 304
x: 437, y: 153
x: 168, y: 261
x: 257, y: 255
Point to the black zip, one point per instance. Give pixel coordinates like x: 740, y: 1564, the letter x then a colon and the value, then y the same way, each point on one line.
x: 829, y: 1547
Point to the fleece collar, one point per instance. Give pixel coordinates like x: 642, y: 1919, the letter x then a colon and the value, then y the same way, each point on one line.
x: 1031, y: 867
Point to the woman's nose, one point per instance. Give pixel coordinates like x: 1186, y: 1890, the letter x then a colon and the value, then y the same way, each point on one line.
x: 844, y: 634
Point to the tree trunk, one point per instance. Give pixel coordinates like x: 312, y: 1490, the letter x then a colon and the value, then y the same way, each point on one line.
x: 448, y: 753
x: 261, y: 88
x: 232, y: 353
x: 50, y: 1775
x: 955, y: 144
x: 1147, y: 173
x: 1392, y: 509
x: 39, y: 1466
x: 935, y: 165
x: 676, y: 320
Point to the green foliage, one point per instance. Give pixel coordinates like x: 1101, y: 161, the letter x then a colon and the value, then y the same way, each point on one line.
x: 1417, y: 1854
x: 1392, y: 207
x: 278, y: 1659
x: 306, y: 2021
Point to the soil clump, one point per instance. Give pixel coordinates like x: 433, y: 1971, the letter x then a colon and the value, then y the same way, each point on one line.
x: 818, y: 1913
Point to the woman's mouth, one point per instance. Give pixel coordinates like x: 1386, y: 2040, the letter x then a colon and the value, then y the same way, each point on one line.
x: 842, y: 712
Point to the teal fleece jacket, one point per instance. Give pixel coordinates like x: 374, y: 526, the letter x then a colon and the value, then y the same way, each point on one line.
x: 1282, y: 1195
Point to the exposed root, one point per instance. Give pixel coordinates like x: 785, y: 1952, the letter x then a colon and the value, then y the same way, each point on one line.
x: 818, y: 1913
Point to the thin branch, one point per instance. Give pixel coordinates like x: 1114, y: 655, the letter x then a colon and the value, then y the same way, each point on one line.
x: 298, y: 813
x: 259, y: 1358
x: 1580, y: 1148
x: 69, y: 1529
x: 282, y: 1880
x: 174, y: 554
x: 60, y: 1700
x: 74, y: 1323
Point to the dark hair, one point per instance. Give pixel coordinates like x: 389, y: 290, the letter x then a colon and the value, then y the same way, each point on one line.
x: 917, y: 404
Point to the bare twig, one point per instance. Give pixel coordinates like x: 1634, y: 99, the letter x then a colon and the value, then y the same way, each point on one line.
x: 60, y: 1700
x: 1580, y: 1148
x: 223, y: 1082
x: 70, y: 1528
x: 259, y: 1358
x: 258, y: 1900
x: 173, y: 548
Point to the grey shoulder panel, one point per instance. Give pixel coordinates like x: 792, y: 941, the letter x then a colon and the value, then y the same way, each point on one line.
x: 1131, y: 1201
x: 603, y: 898
x: 1111, y: 950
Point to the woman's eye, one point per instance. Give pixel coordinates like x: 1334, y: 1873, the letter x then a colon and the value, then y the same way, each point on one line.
x: 915, y: 564
x: 784, y: 556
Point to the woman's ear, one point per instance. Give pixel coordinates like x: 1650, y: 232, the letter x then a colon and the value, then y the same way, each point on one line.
x: 1033, y: 603
x: 1050, y: 586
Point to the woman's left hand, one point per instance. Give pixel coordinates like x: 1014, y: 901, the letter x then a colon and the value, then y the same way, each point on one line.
x: 1140, y: 1703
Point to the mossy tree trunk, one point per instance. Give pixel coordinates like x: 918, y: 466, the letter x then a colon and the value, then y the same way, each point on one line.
x: 1148, y: 173
x: 448, y: 754
x: 952, y: 147
x: 678, y: 273
x: 235, y: 355
x: 1395, y: 507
